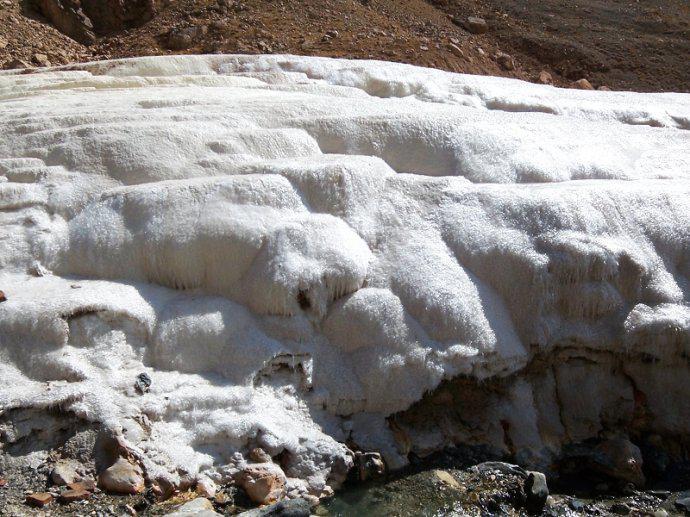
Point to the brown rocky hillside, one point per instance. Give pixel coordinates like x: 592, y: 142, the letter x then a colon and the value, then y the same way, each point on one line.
x: 621, y: 44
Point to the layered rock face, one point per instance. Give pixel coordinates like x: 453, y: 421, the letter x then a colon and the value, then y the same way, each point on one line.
x: 208, y: 255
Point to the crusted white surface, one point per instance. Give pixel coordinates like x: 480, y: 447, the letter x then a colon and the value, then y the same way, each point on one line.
x: 293, y: 248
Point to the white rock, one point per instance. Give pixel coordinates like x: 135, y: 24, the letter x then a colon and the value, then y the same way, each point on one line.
x: 199, y: 507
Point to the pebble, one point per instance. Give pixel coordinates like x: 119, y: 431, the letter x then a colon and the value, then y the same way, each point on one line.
x: 259, y: 455
x: 456, y: 51
x: 287, y: 508
x: 683, y: 504
x: 370, y: 465
x: 3, y: 298
x: 65, y: 472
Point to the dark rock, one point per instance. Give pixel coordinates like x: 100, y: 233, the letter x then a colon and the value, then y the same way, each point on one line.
x: 501, y: 467
x: 536, y: 491
x: 3, y: 298
x: 583, y: 84
x: 620, y: 509
x: 506, y: 61
x: 143, y: 383
x: 370, y: 465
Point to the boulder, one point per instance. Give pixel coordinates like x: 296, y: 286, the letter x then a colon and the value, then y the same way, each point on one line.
x: 536, y: 491
x: 264, y: 483
x: 122, y: 477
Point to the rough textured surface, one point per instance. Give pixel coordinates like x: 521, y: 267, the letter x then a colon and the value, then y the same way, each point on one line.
x: 293, y: 249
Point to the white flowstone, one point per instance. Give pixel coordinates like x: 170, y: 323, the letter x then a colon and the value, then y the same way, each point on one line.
x: 293, y: 249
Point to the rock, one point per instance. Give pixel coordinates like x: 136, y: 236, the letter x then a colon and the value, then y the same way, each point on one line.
x: 258, y: 455
x: 205, y: 487
x: 455, y: 50
x: 65, y: 472
x: 488, y: 467
x: 660, y: 513
x: 14, y: 64
x: 583, y: 84
x: 3, y: 482
x: 39, y: 499
x: 545, y: 77
x: 288, y: 508
x: 506, y: 61
x: 3, y: 43
x: 447, y: 479
x: 536, y: 491
x: 604, y: 88
x: 180, y: 39
x: 683, y: 504
x: 370, y: 465
x: 620, y: 459
x: 620, y: 509
x: 41, y: 60
x: 476, y: 25
x: 3, y: 298
x: 143, y: 383
x: 577, y: 505
x: 69, y: 496
x: 264, y: 482
x: 122, y: 478
x: 85, y: 484
x: 199, y: 507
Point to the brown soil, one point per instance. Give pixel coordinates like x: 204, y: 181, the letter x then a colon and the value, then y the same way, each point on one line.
x: 623, y: 44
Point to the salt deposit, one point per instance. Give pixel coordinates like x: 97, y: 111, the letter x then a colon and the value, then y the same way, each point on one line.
x: 293, y: 249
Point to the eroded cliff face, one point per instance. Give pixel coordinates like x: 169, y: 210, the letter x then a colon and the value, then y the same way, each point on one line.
x: 207, y: 255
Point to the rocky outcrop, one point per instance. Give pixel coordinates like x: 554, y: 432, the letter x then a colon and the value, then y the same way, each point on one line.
x: 83, y: 20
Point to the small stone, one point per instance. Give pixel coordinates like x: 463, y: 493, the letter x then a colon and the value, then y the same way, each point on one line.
x: 3, y: 482
x: 84, y: 484
x: 545, y: 77
x: 122, y: 478
x: 205, y: 487
x: 604, y: 88
x: 457, y: 52
x: 576, y: 505
x: 583, y: 84
x: 143, y: 383
x: 199, y: 507
x: 264, y: 482
x: 660, y: 513
x: 14, y: 64
x: 506, y: 61
x: 258, y: 455
x: 447, y: 479
x: 3, y: 298
x: 41, y: 60
x: 65, y: 472
x: 3, y: 42
x: 39, y: 499
x: 537, y: 491
x: 180, y: 39
x: 69, y: 496
x: 476, y: 25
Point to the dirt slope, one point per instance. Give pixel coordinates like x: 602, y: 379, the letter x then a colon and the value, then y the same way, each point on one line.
x: 623, y: 44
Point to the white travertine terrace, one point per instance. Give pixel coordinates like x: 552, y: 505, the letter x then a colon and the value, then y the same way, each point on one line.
x: 295, y: 248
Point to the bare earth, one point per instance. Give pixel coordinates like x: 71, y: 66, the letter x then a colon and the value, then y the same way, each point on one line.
x: 622, y: 44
